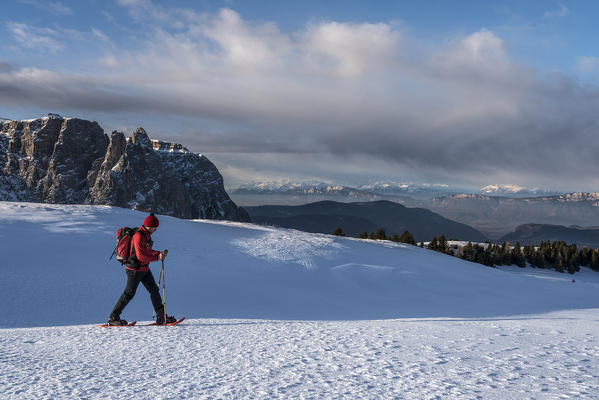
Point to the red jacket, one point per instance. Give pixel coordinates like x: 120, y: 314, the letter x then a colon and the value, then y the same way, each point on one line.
x: 141, y: 251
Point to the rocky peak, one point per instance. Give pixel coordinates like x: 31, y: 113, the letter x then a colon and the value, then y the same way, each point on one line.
x: 140, y: 138
x: 159, y: 145
x: 52, y: 116
x: 72, y: 161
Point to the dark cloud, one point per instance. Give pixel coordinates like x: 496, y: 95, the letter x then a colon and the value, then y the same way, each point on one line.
x: 336, y: 93
x: 5, y: 66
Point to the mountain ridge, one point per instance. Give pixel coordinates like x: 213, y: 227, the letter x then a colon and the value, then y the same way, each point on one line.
x: 533, y: 234
x: 72, y: 161
x: 394, y: 218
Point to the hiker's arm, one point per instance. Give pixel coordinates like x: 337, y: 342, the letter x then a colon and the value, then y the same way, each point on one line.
x: 145, y: 255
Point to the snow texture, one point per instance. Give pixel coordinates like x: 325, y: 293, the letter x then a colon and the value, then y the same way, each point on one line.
x: 543, y: 357
x: 275, y: 313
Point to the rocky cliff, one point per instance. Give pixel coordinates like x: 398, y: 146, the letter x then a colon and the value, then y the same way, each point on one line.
x: 72, y: 161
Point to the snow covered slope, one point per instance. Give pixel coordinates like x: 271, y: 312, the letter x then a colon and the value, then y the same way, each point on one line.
x: 483, y: 342
x: 55, y: 271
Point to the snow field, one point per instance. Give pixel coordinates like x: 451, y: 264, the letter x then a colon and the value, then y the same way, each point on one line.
x: 56, y: 271
x: 277, y: 313
x: 546, y: 356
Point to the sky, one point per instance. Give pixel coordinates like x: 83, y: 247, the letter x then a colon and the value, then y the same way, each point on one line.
x: 465, y: 93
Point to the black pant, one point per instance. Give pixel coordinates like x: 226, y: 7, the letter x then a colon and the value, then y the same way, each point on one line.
x: 133, y: 279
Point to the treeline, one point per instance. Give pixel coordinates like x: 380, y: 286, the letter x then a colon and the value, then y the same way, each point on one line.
x: 556, y: 255
x: 380, y: 234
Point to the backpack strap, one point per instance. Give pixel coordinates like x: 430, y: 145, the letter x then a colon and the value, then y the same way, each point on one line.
x: 132, y: 261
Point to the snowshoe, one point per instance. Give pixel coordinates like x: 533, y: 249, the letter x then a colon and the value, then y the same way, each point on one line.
x: 116, y: 322
x: 161, y: 320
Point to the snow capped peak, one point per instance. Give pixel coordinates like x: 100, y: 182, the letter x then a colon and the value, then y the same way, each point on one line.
x: 46, y: 118
x: 502, y: 188
x: 52, y: 116
x: 286, y: 185
x: 159, y: 145
x: 378, y: 185
x: 513, y: 190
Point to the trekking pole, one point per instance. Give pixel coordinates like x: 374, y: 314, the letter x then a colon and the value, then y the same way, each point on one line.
x: 164, y: 291
x: 159, y: 279
x: 113, y: 252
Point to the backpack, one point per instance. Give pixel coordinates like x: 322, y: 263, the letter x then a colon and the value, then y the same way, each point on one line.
x: 123, y: 244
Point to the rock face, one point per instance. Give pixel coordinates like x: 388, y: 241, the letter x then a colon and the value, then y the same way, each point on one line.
x: 72, y: 161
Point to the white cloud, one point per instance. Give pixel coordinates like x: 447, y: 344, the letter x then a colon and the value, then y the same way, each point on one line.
x: 100, y: 35
x: 35, y: 38
x: 588, y: 64
x: 350, y: 48
x: 146, y: 10
x: 342, y: 91
x: 560, y: 11
x: 242, y: 44
x: 55, y: 7
x: 58, y: 8
x: 108, y: 16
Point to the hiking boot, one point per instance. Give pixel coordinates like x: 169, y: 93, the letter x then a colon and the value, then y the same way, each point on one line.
x: 116, y: 322
x: 161, y: 320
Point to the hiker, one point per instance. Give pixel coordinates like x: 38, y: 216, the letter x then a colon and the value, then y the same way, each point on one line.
x: 138, y: 271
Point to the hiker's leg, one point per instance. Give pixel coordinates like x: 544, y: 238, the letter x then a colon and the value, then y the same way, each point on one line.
x: 133, y: 279
x: 152, y: 288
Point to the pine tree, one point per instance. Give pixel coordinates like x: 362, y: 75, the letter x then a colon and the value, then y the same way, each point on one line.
x: 488, y: 260
x: 443, y: 247
x: 407, y: 237
x: 539, y: 259
x: 479, y: 255
x: 573, y: 266
x: 595, y: 260
x: 363, y: 235
x: 506, y: 252
x: 584, y: 256
x: 380, y: 234
x: 559, y: 262
x: 338, y: 231
x: 497, y: 255
x: 517, y: 257
x: 433, y: 244
x: 467, y: 252
x: 529, y: 252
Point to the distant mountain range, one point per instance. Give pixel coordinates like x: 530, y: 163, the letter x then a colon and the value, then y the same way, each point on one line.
x: 497, y: 215
x: 536, y: 233
x: 514, y: 191
x: 296, y: 193
x: 494, y: 215
x: 287, y: 193
x: 354, y: 218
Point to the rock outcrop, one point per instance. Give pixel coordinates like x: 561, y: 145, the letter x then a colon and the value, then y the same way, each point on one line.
x: 72, y: 161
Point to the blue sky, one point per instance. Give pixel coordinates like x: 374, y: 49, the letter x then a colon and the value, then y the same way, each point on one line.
x: 468, y: 93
